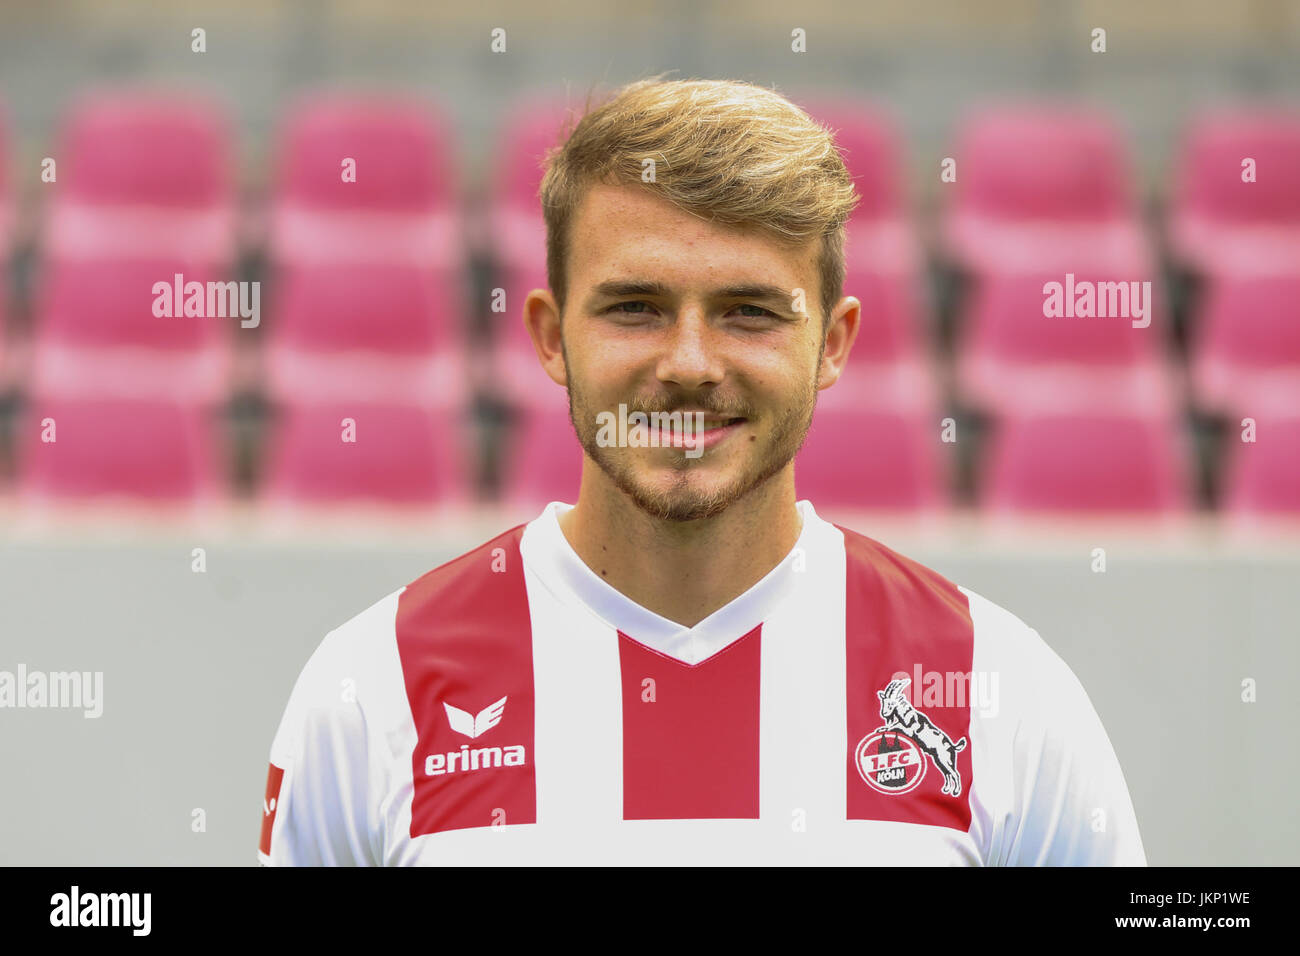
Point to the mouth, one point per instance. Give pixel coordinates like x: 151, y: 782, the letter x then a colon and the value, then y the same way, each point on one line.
x: 699, y: 430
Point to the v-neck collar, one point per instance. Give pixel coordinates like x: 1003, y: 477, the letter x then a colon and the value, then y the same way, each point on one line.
x: 548, y: 553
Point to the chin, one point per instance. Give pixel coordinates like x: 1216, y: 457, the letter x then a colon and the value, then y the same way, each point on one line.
x: 679, y: 496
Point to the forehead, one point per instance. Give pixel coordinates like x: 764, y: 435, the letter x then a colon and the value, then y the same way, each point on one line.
x: 622, y: 231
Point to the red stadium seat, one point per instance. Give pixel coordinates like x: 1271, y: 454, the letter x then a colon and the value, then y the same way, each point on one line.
x: 408, y: 455
x: 1246, y: 355
x: 144, y: 175
x: 1043, y: 187
x: 1012, y: 355
x: 401, y: 206
x: 147, y: 450
x: 1222, y: 224
x: 1086, y: 463
x: 1262, y: 478
x: 872, y: 455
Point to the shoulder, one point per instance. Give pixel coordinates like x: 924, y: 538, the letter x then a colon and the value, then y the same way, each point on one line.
x: 452, y: 582
x: 1009, y: 646
x: 872, y: 562
x: 466, y: 577
x: 359, y: 662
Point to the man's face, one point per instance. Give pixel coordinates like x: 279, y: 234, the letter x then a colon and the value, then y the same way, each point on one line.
x: 669, y: 313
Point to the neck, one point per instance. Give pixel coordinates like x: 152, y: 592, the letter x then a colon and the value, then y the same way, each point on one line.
x: 682, y: 570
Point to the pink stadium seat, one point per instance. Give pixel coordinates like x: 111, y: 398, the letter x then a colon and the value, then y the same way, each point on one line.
x: 1086, y: 463
x: 1043, y: 186
x: 368, y: 306
x: 1012, y: 355
x: 96, y: 330
x: 397, y: 321
x: 881, y: 238
x: 1263, y: 477
x: 153, y: 450
x: 530, y: 129
x: 144, y: 174
x: 401, y: 206
x: 107, y: 302
x: 401, y: 455
x: 542, y: 461
x: 870, y: 455
x: 1218, y: 222
x: 1246, y: 354
x: 517, y: 231
x: 891, y: 327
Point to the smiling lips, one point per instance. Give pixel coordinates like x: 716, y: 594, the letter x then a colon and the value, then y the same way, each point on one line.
x: 697, y: 433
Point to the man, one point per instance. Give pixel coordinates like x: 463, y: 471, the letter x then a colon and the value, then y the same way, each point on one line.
x: 689, y: 665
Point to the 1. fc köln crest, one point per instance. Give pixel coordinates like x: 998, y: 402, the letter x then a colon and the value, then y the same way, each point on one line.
x: 893, y: 758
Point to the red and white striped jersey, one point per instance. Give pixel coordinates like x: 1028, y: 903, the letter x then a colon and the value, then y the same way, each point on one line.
x: 852, y: 707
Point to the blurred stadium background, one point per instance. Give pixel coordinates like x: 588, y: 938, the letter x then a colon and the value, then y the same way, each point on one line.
x: 1013, y: 452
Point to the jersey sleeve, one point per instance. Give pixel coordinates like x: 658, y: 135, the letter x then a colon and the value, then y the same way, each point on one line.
x: 1072, y: 803
x: 318, y: 810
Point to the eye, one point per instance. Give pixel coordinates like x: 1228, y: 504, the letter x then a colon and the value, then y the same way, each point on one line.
x: 621, y: 308
x: 758, y: 312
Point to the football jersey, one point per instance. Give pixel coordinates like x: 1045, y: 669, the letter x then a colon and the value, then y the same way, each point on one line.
x: 852, y: 707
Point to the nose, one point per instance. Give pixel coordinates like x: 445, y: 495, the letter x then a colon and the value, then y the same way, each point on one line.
x: 690, y: 358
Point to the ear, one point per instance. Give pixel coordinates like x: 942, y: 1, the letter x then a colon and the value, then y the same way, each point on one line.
x: 542, y: 319
x: 840, y: 335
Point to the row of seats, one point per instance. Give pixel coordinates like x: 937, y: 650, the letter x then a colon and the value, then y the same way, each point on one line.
x: 882, y: 459
x: 364, y: 237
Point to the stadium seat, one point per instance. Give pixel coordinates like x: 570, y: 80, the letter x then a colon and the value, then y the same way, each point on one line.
x: 1219, y: 223
x: 891, y: 328
x: 144, y: 175
x: 96, y: 330
x: 872, y: 455
x: 1086, y: 463
x: 1246, y: 351
x: 369, y: 303
x: 542, y: 460
x: 1262, y: 477
x: 401, y: 207
x: 880, y: 235
x: 362, y: 452
x: 1045, y: 186
x: 363, y: 328
x: 74, y: 448
x: 514, y: 220
x: 1011, y: 355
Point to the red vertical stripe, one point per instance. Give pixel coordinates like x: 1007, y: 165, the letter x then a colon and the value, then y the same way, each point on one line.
x: 901, y: 614
x: 690, y: 732
x: 270, y: 803
x: 465, y: 639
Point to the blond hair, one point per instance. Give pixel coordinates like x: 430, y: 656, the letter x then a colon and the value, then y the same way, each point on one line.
x: 727, y: 151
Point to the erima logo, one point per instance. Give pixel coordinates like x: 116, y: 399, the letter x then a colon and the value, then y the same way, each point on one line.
x: 472, y: 726
x: 485, y: 719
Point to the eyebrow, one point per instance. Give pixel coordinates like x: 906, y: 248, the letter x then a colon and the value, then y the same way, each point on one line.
x: 615, y: 288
